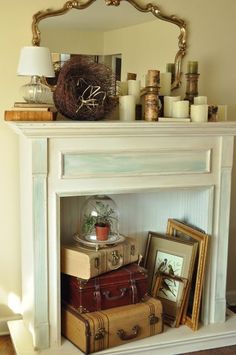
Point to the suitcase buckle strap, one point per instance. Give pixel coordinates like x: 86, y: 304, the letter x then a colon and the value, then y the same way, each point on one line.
x: 116, y: 259
x: 82, y: 283
x: 123, y: 336
x: 153, y: 319
x: 134, y: 291
x: 100, y: 334
x: 97, y: 295
x: 132, y: 250
x: 82, y: 309
x: 96, y: 263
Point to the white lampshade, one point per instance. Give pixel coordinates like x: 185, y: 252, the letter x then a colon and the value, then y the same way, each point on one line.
x: 35, y: 61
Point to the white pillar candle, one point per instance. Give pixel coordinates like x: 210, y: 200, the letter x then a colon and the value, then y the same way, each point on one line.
x: 127, y: 108
x: 134, y: 89
x: 165, y: 84
x: 168, y: 101
x: 200, y: 100
x: 122, y: 88
x: 192, y: 67
x: 180, y: 109
x: 221, y: 113
x: 199, y: 113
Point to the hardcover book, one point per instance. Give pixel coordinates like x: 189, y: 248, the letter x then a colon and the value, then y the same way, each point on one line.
x: 33, y: 115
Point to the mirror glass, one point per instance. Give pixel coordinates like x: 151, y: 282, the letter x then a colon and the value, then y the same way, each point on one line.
x: 139, y: 39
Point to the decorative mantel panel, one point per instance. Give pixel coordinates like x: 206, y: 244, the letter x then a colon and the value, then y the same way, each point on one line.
x: 132, y: 164
x: 72, y: 159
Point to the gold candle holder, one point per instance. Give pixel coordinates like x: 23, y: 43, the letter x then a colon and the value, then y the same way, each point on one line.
x: 191, y: 86
x: 151, y: 102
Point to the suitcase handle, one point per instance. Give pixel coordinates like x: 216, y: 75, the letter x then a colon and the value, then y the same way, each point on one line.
x: 113, y: 298
x: 123, y: 336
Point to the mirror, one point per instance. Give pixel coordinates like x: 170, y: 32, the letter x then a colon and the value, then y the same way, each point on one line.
x: 59, y: 59
x: 122, y: 28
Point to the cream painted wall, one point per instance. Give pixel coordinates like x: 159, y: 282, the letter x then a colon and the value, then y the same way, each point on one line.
x: 211, y: 26
x: 15, y: 29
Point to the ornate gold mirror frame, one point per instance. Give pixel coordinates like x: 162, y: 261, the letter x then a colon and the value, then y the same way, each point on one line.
x: 40, y: 15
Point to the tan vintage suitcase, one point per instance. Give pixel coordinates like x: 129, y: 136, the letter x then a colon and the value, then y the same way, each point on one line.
x: 85, y: 263
x: 96, y: 331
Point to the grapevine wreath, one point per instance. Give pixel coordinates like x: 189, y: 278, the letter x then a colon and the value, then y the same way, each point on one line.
x: 85, y: 89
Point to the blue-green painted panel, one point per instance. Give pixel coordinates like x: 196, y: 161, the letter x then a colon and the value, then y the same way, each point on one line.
x: 103, y: 164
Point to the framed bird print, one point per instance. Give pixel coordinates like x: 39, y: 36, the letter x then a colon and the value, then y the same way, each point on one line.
x: 165, y: 255
x: 166, y: 285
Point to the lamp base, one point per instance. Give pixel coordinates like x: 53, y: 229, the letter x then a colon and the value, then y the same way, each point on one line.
x: 36, y: 92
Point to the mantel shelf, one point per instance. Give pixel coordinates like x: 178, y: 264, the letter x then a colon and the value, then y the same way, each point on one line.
x: 117, y: 128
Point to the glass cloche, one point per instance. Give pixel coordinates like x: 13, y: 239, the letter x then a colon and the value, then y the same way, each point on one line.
x: 100, y: 219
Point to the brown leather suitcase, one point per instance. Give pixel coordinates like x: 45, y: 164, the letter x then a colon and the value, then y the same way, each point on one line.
x: 86, y: 263
x: 97, y: 331
x: 127, y: 285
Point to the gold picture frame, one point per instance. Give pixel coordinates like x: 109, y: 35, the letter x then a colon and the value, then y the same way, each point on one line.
x: 179, y: 230
x: 172, y: 311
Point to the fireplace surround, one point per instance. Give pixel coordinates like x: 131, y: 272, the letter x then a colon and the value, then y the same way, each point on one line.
x: 153, y: 171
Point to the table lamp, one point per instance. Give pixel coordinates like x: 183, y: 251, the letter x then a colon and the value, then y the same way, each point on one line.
x: 36, y: 62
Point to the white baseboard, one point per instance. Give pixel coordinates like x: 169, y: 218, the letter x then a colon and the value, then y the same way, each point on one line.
x: 231, y: 298
x: 4, y: 330
x: 172, y: 341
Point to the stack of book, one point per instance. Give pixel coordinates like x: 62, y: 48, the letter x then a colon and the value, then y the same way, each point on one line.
x: 24, y: 111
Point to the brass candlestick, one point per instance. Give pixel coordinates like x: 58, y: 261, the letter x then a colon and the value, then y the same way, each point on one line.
x: 151, y: 104
x: 151, y: 96
x: 191, y: 86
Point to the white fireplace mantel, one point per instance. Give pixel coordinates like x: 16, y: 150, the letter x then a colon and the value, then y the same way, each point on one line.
x: 60, y: 159
x: 115, y: 128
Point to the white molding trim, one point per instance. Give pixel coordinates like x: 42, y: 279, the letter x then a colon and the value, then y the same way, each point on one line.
x: 4, y: 330
x: 119, y: 128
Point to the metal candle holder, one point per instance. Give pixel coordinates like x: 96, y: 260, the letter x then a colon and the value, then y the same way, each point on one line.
x: 151, y: 103
x: 191, y: 86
